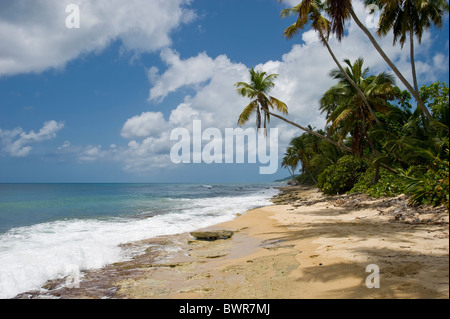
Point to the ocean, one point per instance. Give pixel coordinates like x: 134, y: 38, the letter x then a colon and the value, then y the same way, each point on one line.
x: 48, y: 229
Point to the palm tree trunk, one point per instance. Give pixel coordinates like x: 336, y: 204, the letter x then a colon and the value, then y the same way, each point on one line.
x: 357, y: 146
x: 388, y: 61
x: 361, y: 94
x: 376, y: 176
x: 366, y: 135
x: 343, y: 147
x: 258, y: 119
x: 413, y: 62
x: 312, y: 177
x: 265, y: 123
x: 413, y: 69
x: 290, y: 172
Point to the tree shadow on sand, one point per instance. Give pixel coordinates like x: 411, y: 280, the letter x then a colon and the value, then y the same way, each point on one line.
x: 404, y: 272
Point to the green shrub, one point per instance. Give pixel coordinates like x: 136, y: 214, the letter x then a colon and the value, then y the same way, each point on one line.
x: 305, y: 179
x: 341, y: 177
x: 429, y: 188
x: 388, y: 185
x: 432, y: 188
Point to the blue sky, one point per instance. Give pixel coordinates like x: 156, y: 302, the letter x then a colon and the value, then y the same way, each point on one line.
x: 98, y: 103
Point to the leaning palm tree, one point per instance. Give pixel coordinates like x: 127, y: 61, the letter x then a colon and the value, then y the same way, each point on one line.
x: 290, y: 161
x: 303, y: 150
x: 347, y: 112
x: 311, y: 11
x: 407, y: 18
x: 257, y: 90
x: 312, y: 153
x: 342, y: 10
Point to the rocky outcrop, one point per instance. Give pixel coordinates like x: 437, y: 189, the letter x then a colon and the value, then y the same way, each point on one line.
x: 212, y: 234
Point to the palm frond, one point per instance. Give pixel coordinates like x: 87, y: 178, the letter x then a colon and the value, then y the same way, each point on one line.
x: 279, y: 105
x: 291, y: 31
x: 245, y: 90
x: 248, y: 110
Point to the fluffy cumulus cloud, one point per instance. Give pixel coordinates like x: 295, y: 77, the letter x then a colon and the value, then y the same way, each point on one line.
x: 29, y: 28
x: 192, y: 71
x: 143, y: 125
x: 215, y: 104
x: 17, y: 142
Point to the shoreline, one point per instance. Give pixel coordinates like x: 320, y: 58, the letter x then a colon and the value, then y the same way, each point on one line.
x: 305, y: 245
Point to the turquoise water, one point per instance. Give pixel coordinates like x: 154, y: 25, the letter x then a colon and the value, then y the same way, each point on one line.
x: 46, y: 229
x: 29, y: 204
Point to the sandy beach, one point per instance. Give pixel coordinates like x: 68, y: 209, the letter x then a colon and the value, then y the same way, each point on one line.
x: 304, y: 246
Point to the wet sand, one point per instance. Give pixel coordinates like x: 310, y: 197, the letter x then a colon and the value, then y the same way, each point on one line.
x: 304, y: 246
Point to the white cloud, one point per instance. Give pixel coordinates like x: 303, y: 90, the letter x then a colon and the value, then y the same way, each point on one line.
x: 183, y: 115
x: 16, y: 142
x: 65, y: 145
x: 91, y: 153
x: 291, y: 3
x: 310, y: 37
x: 441, y: 63
x: 144, y: 125
x: 34, y: 37
x: 149, y: 154
x: 88, y: 153
x: 180, y: 73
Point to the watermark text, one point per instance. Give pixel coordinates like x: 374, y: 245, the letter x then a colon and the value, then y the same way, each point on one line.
x: 373, y: 280
x: 73, y: 19
x: 373, y: 19
x: 228, y: 148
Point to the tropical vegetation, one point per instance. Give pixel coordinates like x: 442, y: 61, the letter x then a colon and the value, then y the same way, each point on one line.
x: 379, y: 139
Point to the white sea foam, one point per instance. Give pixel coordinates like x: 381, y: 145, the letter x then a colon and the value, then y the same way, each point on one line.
x: 29, y: 256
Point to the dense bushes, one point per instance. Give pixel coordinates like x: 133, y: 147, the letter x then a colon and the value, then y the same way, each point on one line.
x: 431, y: 188
x: 352, y: 175
x: 341, y: 177
x: 413, y: 150
x: 388, y: 185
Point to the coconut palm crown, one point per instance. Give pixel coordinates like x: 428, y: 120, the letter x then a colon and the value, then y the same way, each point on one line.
x: 257, y: 90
